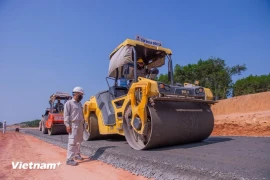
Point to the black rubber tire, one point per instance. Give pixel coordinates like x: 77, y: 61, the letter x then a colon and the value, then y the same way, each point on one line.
x: 44, y: 129
x: 92, y: 131
x: 51, y: 131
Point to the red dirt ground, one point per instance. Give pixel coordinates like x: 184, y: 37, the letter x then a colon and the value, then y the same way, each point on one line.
x: 18, y: 147
x: 247, y: 115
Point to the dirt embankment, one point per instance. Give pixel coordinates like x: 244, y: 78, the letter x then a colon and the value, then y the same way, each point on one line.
x: 247, y: 115
x: 18, y: 147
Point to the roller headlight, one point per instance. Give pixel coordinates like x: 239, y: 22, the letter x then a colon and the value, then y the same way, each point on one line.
x: 199, y: 90
x: 162, y: 86
x: 165, y: 87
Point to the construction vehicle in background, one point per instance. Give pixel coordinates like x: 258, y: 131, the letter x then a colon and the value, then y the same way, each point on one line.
x: 43, y: 120
x: 148, y: 113
x: 52, y: 121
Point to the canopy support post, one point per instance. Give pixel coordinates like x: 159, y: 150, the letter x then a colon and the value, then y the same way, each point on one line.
x: 170, y: 69
x: 135, y: 64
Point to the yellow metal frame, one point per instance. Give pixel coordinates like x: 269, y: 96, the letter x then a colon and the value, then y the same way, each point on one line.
x: 132, y: 42
x: 148, y: 87
x: 208, y: 94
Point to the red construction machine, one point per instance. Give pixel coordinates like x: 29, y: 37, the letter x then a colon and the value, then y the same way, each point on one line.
x: 53, y: 120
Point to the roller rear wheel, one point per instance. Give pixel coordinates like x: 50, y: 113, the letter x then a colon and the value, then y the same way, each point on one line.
x: 51, y: 131
x: 91, y: 131
x: 44, y: 129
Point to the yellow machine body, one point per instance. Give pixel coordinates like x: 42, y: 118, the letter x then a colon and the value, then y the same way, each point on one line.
x: 150, y: 114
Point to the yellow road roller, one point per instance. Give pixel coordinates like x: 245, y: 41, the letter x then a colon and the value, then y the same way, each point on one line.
x: 147, y: 112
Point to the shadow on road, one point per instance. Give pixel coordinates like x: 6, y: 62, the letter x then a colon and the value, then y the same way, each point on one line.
x: 99, y: 152
x: 209, y: 141
x: 116, y: 138
x: 112, y: 138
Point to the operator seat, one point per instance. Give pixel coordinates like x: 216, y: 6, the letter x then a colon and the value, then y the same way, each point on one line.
x: 152, y: 73
x: 117, y: 91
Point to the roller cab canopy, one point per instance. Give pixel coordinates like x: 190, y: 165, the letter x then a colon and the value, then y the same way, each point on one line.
x: 151, y: 51
x: 60, y: 96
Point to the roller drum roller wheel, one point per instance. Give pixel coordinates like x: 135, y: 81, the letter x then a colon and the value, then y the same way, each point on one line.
x: 171, y: 123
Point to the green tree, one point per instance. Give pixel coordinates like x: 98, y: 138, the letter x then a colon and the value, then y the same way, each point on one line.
x: 252, y: 84
x: 34, y: 123
x: 1, y: 124
x: 212, y: 73
x: 163, y: 78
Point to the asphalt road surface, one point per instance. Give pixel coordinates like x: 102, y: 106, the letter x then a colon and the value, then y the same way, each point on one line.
x: 214, y: 158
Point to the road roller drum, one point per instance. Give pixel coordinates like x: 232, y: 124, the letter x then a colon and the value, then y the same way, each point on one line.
x: 172, y: 123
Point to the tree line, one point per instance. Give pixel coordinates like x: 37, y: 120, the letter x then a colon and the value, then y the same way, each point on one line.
x: 33, y: 123
x: 215, y: 74
x: 252, y: 84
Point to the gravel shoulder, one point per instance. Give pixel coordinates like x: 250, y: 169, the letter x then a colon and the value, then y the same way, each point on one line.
x: 215, y: 158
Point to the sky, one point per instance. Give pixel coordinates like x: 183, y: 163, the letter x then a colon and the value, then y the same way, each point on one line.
x: 55, y: 45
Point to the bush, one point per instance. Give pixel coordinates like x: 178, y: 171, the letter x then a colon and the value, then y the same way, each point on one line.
x: 252, y: 84
x: 34, y: 123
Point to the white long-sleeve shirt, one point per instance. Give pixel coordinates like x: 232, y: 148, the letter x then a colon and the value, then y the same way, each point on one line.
x: 73, y: 112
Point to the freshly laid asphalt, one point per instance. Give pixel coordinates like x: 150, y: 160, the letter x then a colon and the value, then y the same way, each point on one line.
x: 214, y: 158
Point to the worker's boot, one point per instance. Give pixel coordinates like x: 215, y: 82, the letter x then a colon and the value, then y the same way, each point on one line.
x: 71, y: 162
x: 79, y: 157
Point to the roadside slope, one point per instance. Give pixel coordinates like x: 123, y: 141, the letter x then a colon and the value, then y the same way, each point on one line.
x: 247, y: 115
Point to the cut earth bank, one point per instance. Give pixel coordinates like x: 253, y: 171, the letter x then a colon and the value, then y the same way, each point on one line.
x: 247, y: 115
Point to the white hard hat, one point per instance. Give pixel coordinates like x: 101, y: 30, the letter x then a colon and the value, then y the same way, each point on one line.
x: 78, y: 89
